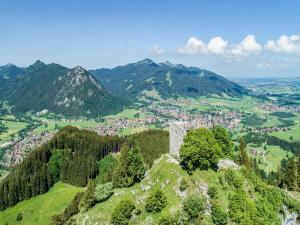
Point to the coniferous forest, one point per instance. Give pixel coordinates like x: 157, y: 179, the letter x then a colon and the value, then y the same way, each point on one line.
x: 72, y: 156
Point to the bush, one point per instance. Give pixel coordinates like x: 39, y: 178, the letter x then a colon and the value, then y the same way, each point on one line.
x: 219, y: 216
x: 193, y: 207
x: 103, y: 192
x: 122, y: 213
x: 167, y: 220
x: 183, y: 185
x: 224, y: 140
x: 233, y: 179
x: 212, y: 192
x: 200, y: 150
x: 88, y: 200
x: 19, y: 217
x: 156, y: 201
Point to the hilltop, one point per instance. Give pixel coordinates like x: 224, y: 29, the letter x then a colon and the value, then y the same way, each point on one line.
x: 231, y: 190
x: 133, y: 180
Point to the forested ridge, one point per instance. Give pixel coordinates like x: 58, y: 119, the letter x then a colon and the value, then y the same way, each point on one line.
x: 71, y: 156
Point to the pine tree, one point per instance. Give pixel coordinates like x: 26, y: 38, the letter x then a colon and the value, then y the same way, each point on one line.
x: 120, y: 178
x: 137, y: 167
x: 290, y: 176
x: 298, y: 169
x: 242, y: 157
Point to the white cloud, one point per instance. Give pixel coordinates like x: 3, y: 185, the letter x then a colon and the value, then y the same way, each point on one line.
x: 247, y: 47
x: 156, y: 50
x: 193, y: 46
x: 217, y: 45
x: 285, y: 44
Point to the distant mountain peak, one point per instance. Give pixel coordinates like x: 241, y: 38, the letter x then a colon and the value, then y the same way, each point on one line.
x: 9, y: 65
x: 145, y: 61
x: 168, y: 63
x: 39, y: 62
x: 79, y: 70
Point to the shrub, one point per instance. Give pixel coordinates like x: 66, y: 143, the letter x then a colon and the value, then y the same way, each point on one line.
x: 183, y: 185
x: 123, y: 212
x: 212, y: 192
x: 224, y: 140
x: 19, y: 217
x: 241, y: 208
x: 88, y: 200
x: 233, y: 179
x: 167, y: 220
x: 156, y: 201
x: 200, y: 150
x: 219, y: 216
x: 103, y: 192
x: 193, y: 207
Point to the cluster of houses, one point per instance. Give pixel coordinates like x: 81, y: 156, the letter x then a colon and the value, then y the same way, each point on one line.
x: 274, y: 107
x: 21, y: 146
x: 265, y: 129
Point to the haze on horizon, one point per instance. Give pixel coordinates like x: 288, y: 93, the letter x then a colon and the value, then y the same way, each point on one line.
x: 253, y: 39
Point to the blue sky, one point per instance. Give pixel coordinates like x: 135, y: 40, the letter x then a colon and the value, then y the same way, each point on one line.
x: 233, y: 38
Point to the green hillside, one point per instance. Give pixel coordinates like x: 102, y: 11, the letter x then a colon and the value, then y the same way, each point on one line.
x: 231, y: 188
x: 70, y: 92
x: 165, y: 80
x: 40, y: 209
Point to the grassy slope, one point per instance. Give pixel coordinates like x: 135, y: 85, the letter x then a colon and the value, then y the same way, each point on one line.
x: 40, y: 209
x: 166, y: 174
x: 163, y: 173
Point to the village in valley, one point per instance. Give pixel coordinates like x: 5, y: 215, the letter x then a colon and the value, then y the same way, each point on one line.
x: 239, y: 116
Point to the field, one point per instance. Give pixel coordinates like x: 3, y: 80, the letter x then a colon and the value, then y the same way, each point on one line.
x: 40, y: 209
x: 13, y: 128
x: 269, y: 159
x: 294, y: 133
x: 51, y: 124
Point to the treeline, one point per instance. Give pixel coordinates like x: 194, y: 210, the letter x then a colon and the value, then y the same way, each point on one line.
x: 293, y: 147
x: 71, y: 156
x: 259, y: 139
x: 288, y: 174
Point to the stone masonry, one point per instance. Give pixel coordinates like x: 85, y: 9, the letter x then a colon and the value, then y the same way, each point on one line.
x: 177, y: 131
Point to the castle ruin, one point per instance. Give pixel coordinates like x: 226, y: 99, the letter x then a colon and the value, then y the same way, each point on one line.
x: 177, y: 131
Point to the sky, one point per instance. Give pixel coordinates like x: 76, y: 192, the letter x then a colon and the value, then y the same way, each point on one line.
x: 233, y: 38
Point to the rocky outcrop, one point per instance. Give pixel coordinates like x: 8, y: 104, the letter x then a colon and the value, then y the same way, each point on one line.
x: 225, y: 164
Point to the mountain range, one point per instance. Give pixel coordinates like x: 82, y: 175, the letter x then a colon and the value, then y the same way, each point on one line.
x: 165, y: 80
x: 70, y: 92
x: 78, y: 92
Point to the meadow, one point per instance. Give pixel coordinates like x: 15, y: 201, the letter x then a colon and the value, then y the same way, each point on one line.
x: 40, y: 209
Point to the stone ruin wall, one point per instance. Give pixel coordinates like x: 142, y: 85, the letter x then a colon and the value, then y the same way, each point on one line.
x: 177, y: 131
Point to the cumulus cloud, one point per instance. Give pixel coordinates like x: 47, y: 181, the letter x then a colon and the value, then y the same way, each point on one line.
x: 247, y: 47
x: 285, y: 44
x: 219, y: 46
x: 193, y: 46
x: 156, y: 50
